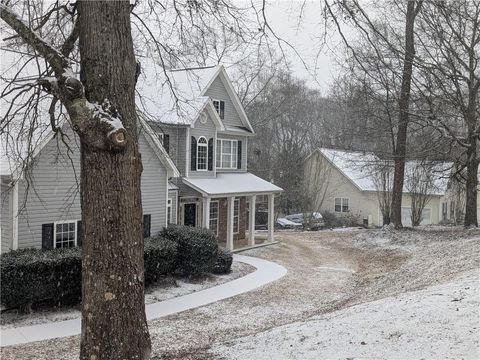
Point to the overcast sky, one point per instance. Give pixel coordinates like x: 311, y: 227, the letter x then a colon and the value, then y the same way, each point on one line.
x: 304, y: 29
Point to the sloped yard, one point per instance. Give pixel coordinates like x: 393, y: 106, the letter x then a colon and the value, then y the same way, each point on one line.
x: 327, y: 272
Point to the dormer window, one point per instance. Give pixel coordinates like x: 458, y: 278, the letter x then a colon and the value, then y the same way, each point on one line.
x: 202, y: 153
x: 220, y: 107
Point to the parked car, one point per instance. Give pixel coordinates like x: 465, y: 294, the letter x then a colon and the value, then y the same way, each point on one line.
x: 308, y: 221
x: 285, y: 223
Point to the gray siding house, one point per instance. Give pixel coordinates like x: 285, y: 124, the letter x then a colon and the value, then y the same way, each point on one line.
x: 205, y: 130
x: 40, y: 207
x: 194, y: 154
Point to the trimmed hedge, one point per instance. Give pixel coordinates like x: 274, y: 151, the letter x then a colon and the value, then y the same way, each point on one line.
x: 32, y: 276
x: 159, y: 258
x: 197, y: 249
x: 223, y: 265
x: 53, y: 277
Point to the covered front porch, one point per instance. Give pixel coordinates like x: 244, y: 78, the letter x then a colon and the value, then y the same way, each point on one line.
x: 238, y: 208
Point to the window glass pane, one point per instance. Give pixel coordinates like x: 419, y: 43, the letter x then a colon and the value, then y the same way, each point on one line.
x: 345, y: 205
x: 338, y: 204
x: 219, y: 153
x: 201, y: 157
x: 236, y: 211
x: 234, y: 154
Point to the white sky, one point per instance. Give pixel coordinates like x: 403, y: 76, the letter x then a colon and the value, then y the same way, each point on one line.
x: 304, y: 29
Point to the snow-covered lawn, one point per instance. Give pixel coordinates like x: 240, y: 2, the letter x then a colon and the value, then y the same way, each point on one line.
x: 348, y: 286
x: 167, y: 288
x: 441, y: 322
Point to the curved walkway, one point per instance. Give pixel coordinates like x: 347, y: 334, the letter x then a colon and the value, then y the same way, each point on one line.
x: 266, y: 272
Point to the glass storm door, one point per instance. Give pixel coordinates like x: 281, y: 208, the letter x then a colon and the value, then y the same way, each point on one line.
x: 190, y: 214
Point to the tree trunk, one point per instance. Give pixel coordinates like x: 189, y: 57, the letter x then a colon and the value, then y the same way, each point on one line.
x: 113, y: 309
x: 404, y: 103
x: 471, y: 185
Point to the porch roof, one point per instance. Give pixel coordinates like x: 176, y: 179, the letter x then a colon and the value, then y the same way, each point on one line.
x: 232, y: 184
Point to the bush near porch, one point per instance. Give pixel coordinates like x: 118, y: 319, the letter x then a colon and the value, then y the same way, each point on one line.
x: 53, y: 277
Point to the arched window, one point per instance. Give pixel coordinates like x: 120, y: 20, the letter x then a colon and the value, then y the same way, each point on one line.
x: 202, y: 153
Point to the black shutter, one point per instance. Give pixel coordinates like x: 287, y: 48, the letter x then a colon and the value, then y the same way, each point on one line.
x: 146, y: 225
x: 222, y: 110
x: 166, y: 142
x: 79, y: 233
x: 47, y: 236
x: 239, y: 154
x: 193, y: 154
x: 210, y: 154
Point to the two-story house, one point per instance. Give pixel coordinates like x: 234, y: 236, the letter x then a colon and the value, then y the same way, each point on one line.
x: 194, y: 158
x: 205, y: 130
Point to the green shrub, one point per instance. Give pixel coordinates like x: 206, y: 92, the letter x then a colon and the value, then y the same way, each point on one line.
x: 32, y: 276
x: 223, y: 265
x: 197, y: 249
x: 53, y: 277
x: 335, y: 220
x: 159, y: 257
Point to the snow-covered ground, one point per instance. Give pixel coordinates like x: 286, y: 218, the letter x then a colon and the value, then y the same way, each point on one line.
x: 337, y: 282
x: 167, y: 288
x: 440, y: 322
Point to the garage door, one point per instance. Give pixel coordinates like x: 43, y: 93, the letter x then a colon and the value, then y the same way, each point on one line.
x: 406, y: 216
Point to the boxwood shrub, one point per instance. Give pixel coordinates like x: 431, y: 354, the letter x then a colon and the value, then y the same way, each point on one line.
x: 35, y: 276
x: 159, y: 257
x: 53, y: 277
x: 196, y: 249
x: 223, y: 265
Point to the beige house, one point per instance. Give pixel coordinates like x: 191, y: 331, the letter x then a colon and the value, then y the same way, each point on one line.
x: 453, y: 203
x: 348, y: 184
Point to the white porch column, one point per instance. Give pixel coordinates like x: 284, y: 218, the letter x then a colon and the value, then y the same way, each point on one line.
x: 230, y: 208
x: 251, y: 221
x: 271, y: 199
x: 206, y: 213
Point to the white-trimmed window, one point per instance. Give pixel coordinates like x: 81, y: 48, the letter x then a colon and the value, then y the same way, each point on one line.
x: 213, y: 223
x: 220, y: 107
x: 236, y: 212
x: 342, y: 205
x: 202, y: 153
x: 65, y: 234
x: 227, y: 154
x: 169, y: 211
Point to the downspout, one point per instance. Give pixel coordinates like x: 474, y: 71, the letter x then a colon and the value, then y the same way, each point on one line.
x: 15, y: 216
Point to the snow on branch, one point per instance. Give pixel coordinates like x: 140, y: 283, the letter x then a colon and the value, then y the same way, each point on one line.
x: 107, y: 114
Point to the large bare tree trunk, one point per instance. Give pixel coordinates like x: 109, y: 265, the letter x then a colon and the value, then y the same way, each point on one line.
x: 113, y: 309
x: 472, y: 169
x: 404, y: 104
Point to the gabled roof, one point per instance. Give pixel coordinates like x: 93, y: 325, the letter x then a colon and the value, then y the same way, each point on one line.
x: 13, y: 167
x: 158, y: 148
x: 184, y: 104
x: 360, y: 169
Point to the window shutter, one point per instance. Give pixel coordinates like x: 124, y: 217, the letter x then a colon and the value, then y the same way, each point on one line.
x: 222, y: 110
x: 210, y: 154
x: 146, y: 225
x: 193, y: 154
x: 79, y: 233
x: 239, y: 154
x: 166, y: 142
x: 47, y: 236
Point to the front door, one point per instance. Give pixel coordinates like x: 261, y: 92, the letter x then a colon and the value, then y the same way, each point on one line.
x: 190, y: 214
